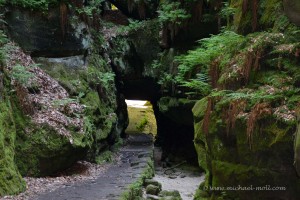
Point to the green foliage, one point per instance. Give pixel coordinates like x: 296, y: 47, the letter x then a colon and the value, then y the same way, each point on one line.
x: 42, y: 5
x: 272, y: 10
x: 199, y: 85
x: 141, y: 126
x: 3, y: 40
x: 11, y: 181
x: 171, y: 12
x: 227, y: 11
x: 2, y: 2
x: 63, y: 102
x: 91, y: 8
x: 21, y: 75
x: 105, y: 79
x: 193, y: 67
x: 133, y: 26
x: 104, y: 157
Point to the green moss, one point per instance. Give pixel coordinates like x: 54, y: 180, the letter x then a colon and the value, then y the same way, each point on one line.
x: 104, y: 157
x: 199, y: 109
x: 46, y: 151
x: 271, y: 10
x: 237, y: 175
x: 93, y: 86
x: 11, y: 181
x: 141, y: 126
x: 177, y: 109
x: 134, y: 190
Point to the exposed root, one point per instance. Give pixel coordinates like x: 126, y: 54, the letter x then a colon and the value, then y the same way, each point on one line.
x: 235, y: 109
x: 63, y: 18
x: 206, y: 120
x: 259, y: 111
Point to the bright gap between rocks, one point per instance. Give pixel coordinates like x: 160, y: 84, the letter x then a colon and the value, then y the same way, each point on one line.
x: 141, y: 117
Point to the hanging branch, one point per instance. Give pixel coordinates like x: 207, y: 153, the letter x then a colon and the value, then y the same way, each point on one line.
x: 63, y: 18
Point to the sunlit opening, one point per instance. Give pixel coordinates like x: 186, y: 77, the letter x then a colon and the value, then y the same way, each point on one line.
x: 141, y: 117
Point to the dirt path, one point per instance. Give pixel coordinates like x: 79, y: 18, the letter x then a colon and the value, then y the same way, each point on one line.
x: 112, y: 184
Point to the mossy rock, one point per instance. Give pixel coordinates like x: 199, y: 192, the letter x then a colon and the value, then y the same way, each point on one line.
x: 79, y: 76
x: 230, y: 155
x: 177, y: 109
x: 11, y: 181
x: 152, y: 189
x: 169, y: 195
x: 48, y: 152
x: 152, y: 182
x: 253, y: 183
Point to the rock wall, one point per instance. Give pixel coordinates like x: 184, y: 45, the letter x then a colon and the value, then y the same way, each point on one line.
x: 63, y: 105
x: 244, y: 132
x: 59, y: 33
x: 11, y: 181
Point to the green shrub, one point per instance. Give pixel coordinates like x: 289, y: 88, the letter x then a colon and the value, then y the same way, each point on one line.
x: 141, y: 126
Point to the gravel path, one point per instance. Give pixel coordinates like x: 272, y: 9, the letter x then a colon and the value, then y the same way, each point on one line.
x: 89, y: 181
x: 111, y: 184
x: 182, y: 177
x: 81, y: 171
x: 186, y: 182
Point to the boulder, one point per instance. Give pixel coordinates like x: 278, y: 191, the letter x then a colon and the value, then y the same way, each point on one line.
x: 152, y: 182
x: 170, y: 195
x: 152, y: 189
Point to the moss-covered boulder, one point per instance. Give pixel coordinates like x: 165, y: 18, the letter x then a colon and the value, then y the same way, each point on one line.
x: 91, y: 81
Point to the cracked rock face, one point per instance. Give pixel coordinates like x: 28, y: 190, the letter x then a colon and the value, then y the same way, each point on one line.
x: 292, y: 10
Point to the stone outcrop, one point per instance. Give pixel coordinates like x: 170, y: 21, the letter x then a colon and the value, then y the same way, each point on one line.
x: 44, y: 142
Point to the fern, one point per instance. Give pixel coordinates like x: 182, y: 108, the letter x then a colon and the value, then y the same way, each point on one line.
x: 194, y: 66
x: 170, y: 12
x: 21, y: 75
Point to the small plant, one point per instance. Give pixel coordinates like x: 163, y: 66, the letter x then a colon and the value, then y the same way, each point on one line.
x: 171, y: 12
x: 227, y: 11
x: 133, y: 25
x: 104, y: 157
x: 3, y: 40
x: 63, y: 102
x: 97, y: 77
x: 21, y: 75
x: 141, y: 126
